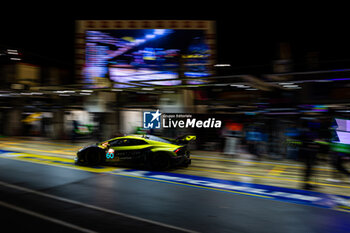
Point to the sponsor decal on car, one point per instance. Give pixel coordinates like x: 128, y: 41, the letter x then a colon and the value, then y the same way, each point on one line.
x: 110, y: 154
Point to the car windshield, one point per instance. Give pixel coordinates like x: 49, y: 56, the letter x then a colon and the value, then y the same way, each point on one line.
x: 158, y: 139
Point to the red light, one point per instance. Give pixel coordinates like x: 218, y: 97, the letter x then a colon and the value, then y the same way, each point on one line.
x: 177, y: 150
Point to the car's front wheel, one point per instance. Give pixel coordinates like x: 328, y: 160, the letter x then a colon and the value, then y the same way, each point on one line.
x: 93, y: 156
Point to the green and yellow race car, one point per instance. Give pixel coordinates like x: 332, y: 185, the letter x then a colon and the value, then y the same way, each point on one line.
x: 157, y: 153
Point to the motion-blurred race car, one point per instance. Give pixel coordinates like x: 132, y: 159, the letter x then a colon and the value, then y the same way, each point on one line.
x: 154, y: 152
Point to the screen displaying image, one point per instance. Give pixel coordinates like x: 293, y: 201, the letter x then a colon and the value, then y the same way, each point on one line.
x: 342, y: 131
x: 145, y: 57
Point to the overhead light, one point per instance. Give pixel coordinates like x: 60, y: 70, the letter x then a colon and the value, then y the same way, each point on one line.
x: 285, y: 83
x: 324, y: 81
x: 290, y: 86
x: 117, y: 90
x: 12, y: 51
x: 150, y: 36
x: 222, y: 65
x: 342, y: 111
x: 240, y: 86
x: 65, y: 91
x: 87, y: 90
x: 139, y: 41
x: 159, y: 31
x: 147, y: 89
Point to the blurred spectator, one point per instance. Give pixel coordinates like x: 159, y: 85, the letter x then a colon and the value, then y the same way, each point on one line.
x: 308, y: 149
x: 231, y: 132
x: 263, y: 144
x: 254, y: 138
x: 338, y: 159
x: 292, y: 134
x: 74, y: 130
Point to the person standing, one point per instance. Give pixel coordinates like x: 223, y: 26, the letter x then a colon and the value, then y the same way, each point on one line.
x: 338, y: 160
x: 253, y: 138
x: 230, y: 140
x: 308, y: 150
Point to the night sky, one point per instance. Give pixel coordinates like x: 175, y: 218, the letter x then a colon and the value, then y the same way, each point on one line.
x: 247, y: 36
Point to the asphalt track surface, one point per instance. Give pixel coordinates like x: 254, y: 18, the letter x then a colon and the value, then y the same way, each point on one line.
x: 38, y: 197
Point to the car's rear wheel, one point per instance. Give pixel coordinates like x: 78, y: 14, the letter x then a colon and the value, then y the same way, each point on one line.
x: 160, y: 161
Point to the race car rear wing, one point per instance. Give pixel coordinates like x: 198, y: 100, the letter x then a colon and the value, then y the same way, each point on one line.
x: 183, y: 140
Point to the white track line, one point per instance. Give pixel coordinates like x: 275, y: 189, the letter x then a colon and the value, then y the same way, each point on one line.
x: 94, y: 207
x: 54, y: 220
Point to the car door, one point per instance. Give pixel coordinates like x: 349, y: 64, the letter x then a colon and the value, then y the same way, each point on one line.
x: 129, y: 149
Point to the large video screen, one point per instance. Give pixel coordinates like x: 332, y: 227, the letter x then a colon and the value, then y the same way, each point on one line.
x: 342, y: 131
x: 144, y: 57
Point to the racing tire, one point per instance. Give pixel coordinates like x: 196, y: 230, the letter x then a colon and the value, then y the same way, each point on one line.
x: 93, y: 157
x: 160, y: 161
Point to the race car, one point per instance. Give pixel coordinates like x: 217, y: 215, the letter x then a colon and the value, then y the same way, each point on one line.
x: 156, y: 153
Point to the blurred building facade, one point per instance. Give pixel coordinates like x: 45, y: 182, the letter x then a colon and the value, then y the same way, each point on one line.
x: 40, y: 98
